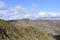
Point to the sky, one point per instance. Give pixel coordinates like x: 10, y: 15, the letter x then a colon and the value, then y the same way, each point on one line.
x: 32, y: 9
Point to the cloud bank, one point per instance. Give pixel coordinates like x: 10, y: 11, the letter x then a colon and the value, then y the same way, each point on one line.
x: 19, y: 12
x: 48, y: 15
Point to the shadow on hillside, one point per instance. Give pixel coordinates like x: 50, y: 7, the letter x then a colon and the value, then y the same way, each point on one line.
x: 57, y: 37
x: 3, y: 34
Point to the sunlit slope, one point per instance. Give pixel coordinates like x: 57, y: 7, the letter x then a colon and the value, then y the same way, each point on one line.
x: 8, y: 32
x: 31, y: 33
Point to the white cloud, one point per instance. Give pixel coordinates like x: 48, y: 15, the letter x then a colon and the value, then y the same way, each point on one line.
x: 27, y: 15
x: 18, y: 15
x: 2, y: 5
x: 19, y: 12
x: 35, y: 6
x: 47, y: 15
x: 16, y: 12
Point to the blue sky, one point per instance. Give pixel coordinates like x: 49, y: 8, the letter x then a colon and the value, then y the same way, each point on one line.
x: 44, y: 5
x: 33, y: 9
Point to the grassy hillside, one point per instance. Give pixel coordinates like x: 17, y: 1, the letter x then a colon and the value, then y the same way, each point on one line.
x: 31, y: 33
x: 8, y: 32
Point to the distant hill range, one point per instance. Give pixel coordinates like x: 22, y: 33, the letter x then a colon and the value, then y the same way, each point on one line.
x: 48, y: 26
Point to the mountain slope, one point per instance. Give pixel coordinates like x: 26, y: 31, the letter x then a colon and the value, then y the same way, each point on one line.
x: 48, y: 26
x: 8, y: 32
